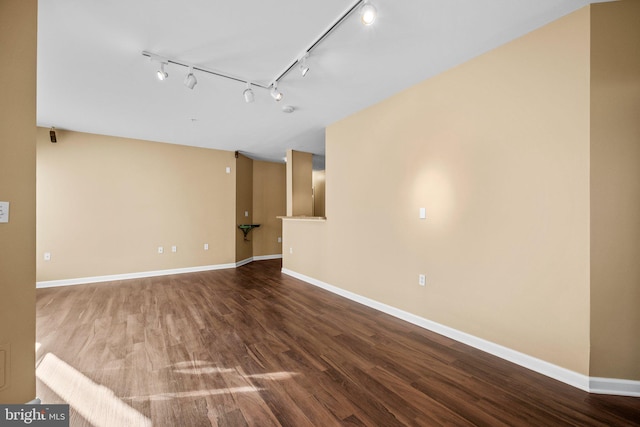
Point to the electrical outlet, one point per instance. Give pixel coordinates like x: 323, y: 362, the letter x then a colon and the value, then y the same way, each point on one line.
x: 206, y: 246
x: 422, y: 280
x: 160, y: 250
x: 174, y: 249
x: 47, y: 256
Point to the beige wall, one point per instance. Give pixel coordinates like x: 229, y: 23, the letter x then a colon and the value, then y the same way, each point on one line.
x: 244, y: 206
x: 269, y: 202
x: 615, y: 190
x: 318, y: 193
x: 299, y: 183
x: 105, y: 204
x: 497, y: 151
x: 18, y: 26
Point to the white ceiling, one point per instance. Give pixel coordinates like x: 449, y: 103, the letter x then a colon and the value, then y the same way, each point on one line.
x: 92, y: 76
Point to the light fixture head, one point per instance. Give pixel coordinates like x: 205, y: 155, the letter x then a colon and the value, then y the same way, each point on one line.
x: 161, y: 73
x: 190, y: 80
x: 368, y: 13
x: 275, y: 93
x: 304, y: 68
x: 248, y: 94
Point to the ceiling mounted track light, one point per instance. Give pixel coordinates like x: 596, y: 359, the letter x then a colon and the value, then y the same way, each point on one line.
x: 164, y: 61
x: 190, y: 80
x: 275, y: 93
x: 248, y: 94
x: 161, y: 73
x: 304, y: 68
x: 368, y: 14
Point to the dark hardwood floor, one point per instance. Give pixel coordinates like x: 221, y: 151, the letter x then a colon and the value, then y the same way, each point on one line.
x: 254, y: 347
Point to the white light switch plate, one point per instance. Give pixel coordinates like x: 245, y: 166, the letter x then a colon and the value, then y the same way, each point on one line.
x: 4, y: 211
x: 423, y: 213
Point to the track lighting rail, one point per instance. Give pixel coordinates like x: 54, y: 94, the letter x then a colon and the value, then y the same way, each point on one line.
x: 320, y: 38
x: 273, y: 85
x: 167, y: 60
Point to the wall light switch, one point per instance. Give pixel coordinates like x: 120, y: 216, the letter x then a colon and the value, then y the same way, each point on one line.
x: 160, y: 250
x: 47, y: 256
x: 290, y: 250
x: 228, y: 170
x: 279, y: 239
x: 423, y: 213
x: 4, y: 212
x: 246, y: 213
x: 206, y: 246
x: 174, y: 248
x: 422, y: 280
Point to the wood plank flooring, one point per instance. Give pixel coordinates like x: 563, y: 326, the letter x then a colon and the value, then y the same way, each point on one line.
x: 254, y: 347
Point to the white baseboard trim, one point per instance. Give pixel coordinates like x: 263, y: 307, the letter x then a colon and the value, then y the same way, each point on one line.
x: 267, y: 257
x: 127, y: 276
x: 614, y: 386
x: 257, y: 258
x: 581, y: 381
x: 243, y: 262
x: 140, y: 275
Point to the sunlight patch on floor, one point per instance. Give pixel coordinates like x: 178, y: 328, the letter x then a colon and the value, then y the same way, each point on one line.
x: 199, y: 367
x: 94, y: 402
x: 274, y: 376
x: 197, y: 393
